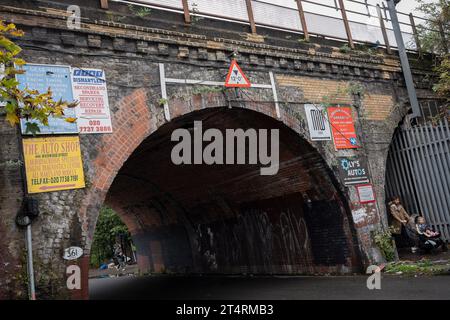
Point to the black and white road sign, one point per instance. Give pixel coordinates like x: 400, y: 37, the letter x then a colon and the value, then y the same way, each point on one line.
x: 318, y: 124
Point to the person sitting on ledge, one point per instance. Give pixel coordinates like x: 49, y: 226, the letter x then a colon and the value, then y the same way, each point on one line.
x: 428, y: 236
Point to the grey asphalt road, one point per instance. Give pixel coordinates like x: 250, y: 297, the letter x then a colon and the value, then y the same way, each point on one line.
x: 262, y: 288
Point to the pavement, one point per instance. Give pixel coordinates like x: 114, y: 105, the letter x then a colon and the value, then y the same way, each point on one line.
x: 405, y: 254
x: 411, y: 285
x: 170, y: 287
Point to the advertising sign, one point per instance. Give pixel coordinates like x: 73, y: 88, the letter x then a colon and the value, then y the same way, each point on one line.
x: 53, y: 164
x: 89, y: 88
x: 319, y: 127
x: 366, y: 193
x: 353, y: 171
x: 41, y: 77
x: 344, y: 133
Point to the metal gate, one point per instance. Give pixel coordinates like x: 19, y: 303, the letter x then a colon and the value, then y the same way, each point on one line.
x: 418, y: 170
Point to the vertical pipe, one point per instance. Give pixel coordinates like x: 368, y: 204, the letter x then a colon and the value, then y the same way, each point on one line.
x: 162, y: 79
x: 303, y: 19
x: 251, y: 19
x: 32, y: 291
x: 28, y: 238
x: 383, y: 30
x: 404, y: 60
x: 416, y: 34
x: 346, y: 24
x: 187, y: 15
x: 275, y: 94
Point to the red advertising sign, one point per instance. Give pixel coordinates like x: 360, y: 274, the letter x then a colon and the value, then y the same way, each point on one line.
x: 344, y: 133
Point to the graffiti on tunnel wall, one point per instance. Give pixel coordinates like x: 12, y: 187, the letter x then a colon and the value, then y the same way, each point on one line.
x: 275, y: 235
x: 285, y: 234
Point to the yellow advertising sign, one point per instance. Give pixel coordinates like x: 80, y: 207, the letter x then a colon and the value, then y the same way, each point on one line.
x: 53, y: 164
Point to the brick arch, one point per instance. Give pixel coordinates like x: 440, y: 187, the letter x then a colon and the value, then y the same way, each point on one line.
x: 397, y: 115
x: 134, y: 121
x: 134, y: 115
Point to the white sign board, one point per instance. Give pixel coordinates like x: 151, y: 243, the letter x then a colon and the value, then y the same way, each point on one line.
x: 72, y: 253
x: 89, y: 88
x: 366, y: 193
x: 318, y: 124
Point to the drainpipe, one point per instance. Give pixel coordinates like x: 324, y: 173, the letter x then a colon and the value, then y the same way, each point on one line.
x: 404, y: 59
x: 32, y: 291
x: 24, y: 219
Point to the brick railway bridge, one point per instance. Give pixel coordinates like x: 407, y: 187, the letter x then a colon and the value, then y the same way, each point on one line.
x: 200, y: 218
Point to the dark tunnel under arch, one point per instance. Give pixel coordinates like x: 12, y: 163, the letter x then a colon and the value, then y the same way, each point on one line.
x: 229, y: 218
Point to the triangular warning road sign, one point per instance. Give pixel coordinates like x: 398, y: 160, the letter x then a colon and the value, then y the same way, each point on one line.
x: 235, y: 77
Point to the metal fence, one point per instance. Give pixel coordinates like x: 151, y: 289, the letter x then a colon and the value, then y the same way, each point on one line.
x: 418, y: 170
x: 363, y: 23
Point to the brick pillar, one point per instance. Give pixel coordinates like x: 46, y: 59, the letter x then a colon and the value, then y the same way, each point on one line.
x: 83, y: 293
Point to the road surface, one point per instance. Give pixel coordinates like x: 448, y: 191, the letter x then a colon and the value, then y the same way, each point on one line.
x: 277, y: 288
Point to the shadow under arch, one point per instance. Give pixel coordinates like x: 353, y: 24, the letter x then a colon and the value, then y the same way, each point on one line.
x: 229, y: 218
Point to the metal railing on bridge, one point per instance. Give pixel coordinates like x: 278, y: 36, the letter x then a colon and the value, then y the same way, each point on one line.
x: 364, y: 23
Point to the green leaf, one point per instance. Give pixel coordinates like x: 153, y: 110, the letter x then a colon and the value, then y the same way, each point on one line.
x: 12, y: 118
x: 10, y: 46
x: 32, y: 127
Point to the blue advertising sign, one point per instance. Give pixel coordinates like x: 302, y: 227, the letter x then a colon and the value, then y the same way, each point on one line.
x: 40, y: 77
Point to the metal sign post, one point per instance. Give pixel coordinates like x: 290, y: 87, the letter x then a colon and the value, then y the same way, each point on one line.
x: 32, y: 291
x: 404, y: 59
x: 239, y: 82
x: 23, y: 220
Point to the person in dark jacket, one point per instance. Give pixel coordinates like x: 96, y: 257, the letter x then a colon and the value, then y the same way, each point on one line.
x: 430, y: 239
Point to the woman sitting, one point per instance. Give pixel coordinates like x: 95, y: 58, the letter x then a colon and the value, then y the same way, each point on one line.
x: 429, y: 239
